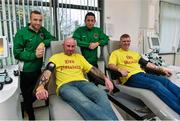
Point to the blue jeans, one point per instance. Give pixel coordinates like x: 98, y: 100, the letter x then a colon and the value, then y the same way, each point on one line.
x: 88, y: 100
x: 162, y: 87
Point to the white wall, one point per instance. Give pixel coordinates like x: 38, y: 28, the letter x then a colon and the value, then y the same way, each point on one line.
x: 123, y: 16
x: 134, y: 17
x: 131, y: 17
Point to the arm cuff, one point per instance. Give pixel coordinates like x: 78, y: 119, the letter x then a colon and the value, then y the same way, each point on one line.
x: 143, y: 62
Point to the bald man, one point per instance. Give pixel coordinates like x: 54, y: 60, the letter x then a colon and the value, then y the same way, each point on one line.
x: 87, y: 99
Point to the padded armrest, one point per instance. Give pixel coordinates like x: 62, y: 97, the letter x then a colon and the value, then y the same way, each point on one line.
x: 97, y: 80
x: 114, y: 74
x: 52, y: 85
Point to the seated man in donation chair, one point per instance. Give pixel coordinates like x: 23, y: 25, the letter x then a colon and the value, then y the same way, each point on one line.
x: 87, y: 99
x: 128, y: 62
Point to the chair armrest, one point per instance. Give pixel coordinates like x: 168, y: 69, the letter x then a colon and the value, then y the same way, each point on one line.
x: 52, y: 85
x: 113, y: 74
x: 97, y: 81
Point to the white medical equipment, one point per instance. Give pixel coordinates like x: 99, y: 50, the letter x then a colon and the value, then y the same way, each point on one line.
x: 3, y: 47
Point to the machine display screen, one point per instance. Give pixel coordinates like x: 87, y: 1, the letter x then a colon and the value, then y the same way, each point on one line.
x: 3, y: 47
x: 2, y: 78
x: 155, y: 41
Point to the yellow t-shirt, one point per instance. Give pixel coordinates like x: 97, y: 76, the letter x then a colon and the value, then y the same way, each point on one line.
x: 69, y: 68
x: 127, y: 60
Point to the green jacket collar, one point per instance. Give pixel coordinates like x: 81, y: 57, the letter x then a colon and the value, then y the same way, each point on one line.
x: 33, y: 30
x: 88, y: 28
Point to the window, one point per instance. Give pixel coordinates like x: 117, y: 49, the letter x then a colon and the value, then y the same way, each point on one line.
x: 169, y: 27
x: 61, y: 17
x: 70, y: 19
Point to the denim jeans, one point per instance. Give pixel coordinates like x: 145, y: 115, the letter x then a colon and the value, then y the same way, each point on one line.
x: 161, y: 86
x: 88, y: 100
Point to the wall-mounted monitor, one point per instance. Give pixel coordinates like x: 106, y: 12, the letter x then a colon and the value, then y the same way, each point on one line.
x: 154, y: 42
x: 3, y: 47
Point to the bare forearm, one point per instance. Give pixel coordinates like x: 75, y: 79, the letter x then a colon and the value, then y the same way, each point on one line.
x: 45, y: 76
x: 97, y: 73
x: 113, y: 67
x: 155, y: 68
x: 44, y: 79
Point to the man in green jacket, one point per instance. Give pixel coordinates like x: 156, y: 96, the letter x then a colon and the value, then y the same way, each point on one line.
x: 29, y: 46
x: 89, y: 38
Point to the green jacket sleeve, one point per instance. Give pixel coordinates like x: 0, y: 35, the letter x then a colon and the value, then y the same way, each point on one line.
x: 48, y: 38
x: 78, y: 38
x: 103, y: 38
x: 19, y: 52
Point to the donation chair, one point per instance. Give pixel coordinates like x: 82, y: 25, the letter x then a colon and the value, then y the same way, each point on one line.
x: 154, y: 103
x: 59, y: 109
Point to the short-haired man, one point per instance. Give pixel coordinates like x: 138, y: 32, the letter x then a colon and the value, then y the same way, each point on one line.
x: 89, y: 38
x: 87, y: 99
x: 29, y: 46
x: 127, y: 62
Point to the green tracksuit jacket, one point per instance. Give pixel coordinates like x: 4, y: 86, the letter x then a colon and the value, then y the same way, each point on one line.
x: 85, y: 36
x: 25, y: 44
